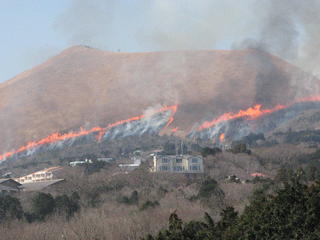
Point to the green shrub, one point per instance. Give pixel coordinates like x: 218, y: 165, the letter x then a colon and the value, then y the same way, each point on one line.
x: 43, y: 204
x: 210, y: 151
x: 67, y: 206
x: 239, y: 147
x: 10, y: 208
x: 209, y: 188
x: 132, y: 200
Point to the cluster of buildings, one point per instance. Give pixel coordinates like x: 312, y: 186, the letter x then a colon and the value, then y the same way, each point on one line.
x: 89, y: 161
x: 32, y: 182
x: 160, y: 163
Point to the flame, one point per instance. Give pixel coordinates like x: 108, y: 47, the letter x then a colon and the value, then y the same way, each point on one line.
x: 173, y: 109
x: 253, y: 112
x: 257, y: 174
x: 222, y: 137
x: 174, y: 130
x: 250, y: 113
x: 310, y: 99
x: 56, y: 137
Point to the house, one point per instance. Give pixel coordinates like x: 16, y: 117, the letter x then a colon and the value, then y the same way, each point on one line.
x: 8, y: 185
x: 106, y: 160
x: 136, y: 159
x: 78, y: 163
x: 40, y: 176
x: 177, y: 163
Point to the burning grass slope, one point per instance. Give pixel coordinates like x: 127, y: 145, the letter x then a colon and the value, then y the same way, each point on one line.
x: 85, y: 87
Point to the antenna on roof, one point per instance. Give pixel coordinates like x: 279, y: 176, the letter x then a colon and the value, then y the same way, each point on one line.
x: 176, y: 147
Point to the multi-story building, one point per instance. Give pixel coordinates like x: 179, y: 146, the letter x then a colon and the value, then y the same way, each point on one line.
x: 177, y: 163
x: 40, y: 176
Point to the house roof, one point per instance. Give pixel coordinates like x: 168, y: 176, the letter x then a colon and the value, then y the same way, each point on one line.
x: 6, y: 188
x: 38, y: 186
x: 2, y: 180
x: 51, y: 169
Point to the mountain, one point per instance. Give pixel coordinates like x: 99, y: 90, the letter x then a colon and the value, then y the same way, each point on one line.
x: 86, y: 87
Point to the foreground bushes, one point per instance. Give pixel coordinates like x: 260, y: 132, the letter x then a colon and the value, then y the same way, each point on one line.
x: 43, y: 205
x: 10, y: 208
x: 293, y: 212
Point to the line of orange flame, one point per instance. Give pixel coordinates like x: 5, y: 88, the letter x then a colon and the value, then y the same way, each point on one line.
x: 250, y: 113
x: 253, y: 112
x: 56, y: 137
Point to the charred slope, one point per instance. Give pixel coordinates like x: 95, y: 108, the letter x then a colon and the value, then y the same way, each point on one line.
x: 88, y: 87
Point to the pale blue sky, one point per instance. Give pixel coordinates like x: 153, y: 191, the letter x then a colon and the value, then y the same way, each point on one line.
x: 35, y: 30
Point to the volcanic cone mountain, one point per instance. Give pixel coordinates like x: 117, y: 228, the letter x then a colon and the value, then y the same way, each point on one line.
x: 85, y: 87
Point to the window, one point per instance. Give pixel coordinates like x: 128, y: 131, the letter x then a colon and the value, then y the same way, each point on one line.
x: 178, y: 168
x: 164, y: 168
x: 178, y: 160
x: 195, y: 168
x: 195, y: 160
x: 165, y: 160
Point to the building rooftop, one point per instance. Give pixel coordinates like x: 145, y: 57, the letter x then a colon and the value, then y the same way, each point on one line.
x: 8, y: 189
x: 38, y: 186
x: 2, y: 180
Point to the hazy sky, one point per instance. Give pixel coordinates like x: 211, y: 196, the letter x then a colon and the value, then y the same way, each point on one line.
x: 34, y: 30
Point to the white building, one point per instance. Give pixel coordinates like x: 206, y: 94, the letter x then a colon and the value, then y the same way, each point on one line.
x: 177, y: 163
x: 78, y: 163
x: 137, y: 160
x: 40, y: 176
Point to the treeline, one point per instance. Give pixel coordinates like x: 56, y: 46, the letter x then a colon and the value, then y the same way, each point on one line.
x: 292, y: 212
x: 42, y: 206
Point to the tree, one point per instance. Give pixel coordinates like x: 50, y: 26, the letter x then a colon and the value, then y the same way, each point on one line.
x: 67, y: 205
x: 10, y: 208
x: 43, y: 204
x: 210, y: 151
x: 291, y: 213
x: 208, y: 188
x: 239, y: 147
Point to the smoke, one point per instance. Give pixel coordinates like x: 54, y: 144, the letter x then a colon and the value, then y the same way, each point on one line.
x: 188, y: 24
x: 87, y: 22
x: 288, y: 29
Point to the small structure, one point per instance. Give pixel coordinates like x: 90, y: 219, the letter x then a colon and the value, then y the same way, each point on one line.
x: 177, y: 163
x: 40, y: 176
x: 233, y: 179
x: 136, y: 158
x: 7, y: 175
x: 8, y: 185
x: 106, y: 160
x: 78, y: 163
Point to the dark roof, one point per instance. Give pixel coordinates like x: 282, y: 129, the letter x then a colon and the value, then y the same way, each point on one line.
x: 2, y: 180
x: 7, y: 189
x: 38, y: 186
